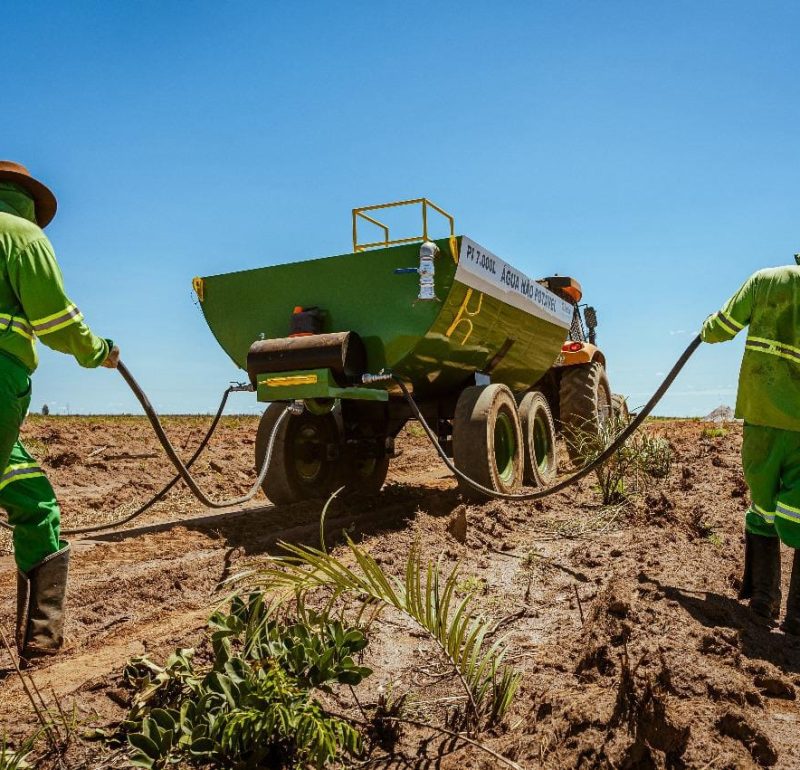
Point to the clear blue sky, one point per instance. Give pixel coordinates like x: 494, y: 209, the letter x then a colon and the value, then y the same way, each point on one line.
x: 651, y: 149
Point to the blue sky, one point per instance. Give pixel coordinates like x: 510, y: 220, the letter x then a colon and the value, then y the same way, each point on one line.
x: 650, y: 149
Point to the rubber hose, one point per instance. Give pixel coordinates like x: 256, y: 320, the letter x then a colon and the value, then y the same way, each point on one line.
x: 164, y: 490
x: 587, y: 469
x: 183, y: 470
x: 152, y: 415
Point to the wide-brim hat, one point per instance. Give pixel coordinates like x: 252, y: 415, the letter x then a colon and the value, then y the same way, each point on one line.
x: 44, y: 199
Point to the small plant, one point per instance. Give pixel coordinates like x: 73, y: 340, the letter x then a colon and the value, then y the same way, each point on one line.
x: 415, y: 429
x: 17, y: 759
x: 655, y: 455
x: 252, y: 705
x: 624, y: 472
x: 713, y: 433
x: 472, y: 584
x: 425, y: 597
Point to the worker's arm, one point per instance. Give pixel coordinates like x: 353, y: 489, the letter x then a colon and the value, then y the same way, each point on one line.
x: 726, y: 323
x: 54, y: 318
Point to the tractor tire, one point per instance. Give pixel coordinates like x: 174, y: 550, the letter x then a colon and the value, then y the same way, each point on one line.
x: 585, y: 405
x: 487, y: 440
x: 302, y: 466
x: 539, y: 438
x: 620, y: 406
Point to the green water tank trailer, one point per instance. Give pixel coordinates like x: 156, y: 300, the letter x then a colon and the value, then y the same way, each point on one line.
x: 494, y: 358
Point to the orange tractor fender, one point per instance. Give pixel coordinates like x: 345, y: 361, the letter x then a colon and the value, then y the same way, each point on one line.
x: 577, y: 353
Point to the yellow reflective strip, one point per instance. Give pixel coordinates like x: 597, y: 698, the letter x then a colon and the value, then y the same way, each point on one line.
x: 731, y: 320
x: 19, y: 472
x: 295, y: 379
x: 21, y: 332
x: 765, y: 341
x: 18, y: 467
x: 789, y: 515
x: 726, y: 326
x: 789, y: 507
x: 60, y: 326
x: 795, y: 359
x: 729, y: 327
x: 67, y: 309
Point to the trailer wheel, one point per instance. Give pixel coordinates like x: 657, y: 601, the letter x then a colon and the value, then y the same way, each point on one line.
x: 585, y: 405
x: 539, y: 437
x: 302, y: 466
x: 487, y: 439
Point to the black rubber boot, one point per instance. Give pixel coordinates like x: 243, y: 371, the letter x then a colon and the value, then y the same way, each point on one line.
x: 791, y: 623
x: 761, y: 582
x: 40, y: 606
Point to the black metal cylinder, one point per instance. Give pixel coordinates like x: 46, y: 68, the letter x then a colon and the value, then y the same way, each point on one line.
x: 341, y: 352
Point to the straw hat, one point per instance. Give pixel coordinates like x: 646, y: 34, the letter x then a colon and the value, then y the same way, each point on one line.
x: 44, y: 199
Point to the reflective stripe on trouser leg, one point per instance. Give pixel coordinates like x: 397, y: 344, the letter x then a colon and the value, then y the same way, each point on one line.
x: 786, y: 447
x: 787, y: 511
x: 761, y: 462
x: 30, y: 502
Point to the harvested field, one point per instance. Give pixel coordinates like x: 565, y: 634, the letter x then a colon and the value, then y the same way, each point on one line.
x: 624, y: 621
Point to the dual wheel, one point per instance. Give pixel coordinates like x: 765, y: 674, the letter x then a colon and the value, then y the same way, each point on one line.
x: 310, y: 459
x: 500, y: 444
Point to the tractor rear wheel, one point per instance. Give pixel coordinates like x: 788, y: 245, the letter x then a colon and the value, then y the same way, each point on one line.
x: 539, y: 437
x: 585, y: 406
x: 487, y: 440
x: 304, y: 463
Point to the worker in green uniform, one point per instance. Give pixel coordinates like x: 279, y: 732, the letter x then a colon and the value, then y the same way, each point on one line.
x: 768, y: 401
x: 33, y: 304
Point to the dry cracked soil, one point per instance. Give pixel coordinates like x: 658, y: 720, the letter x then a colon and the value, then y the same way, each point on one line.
x: 624, y: 622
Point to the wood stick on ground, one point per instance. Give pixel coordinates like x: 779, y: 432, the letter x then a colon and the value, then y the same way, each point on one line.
x: 40, y: 716
x: 578, y: 599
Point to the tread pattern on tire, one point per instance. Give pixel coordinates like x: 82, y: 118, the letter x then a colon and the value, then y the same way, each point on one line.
x: 473, y: 438
x: 530, y: 403
x: 581, y: 387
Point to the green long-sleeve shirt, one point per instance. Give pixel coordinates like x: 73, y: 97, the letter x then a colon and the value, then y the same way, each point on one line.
x: 33, y: 303
x: 769, y: 379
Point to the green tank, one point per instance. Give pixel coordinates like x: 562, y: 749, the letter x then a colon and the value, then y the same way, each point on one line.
x: 484, y: 316
x: 467, y: 333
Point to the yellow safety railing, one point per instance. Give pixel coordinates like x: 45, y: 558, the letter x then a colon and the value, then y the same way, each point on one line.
x: 359, y: 213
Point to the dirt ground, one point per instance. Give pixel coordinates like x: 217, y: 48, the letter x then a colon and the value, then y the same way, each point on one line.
x: 624, y: 622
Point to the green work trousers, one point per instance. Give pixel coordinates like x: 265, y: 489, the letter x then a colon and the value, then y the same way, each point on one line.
x: 25, y: 493
x: 771, y: 461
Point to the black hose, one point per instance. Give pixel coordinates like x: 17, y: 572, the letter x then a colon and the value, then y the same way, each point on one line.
x: 183, y: 470
x: 587, y: 469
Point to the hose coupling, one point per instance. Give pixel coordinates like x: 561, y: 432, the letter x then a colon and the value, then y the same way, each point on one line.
x: 296, y: 408
x: 369, y: 379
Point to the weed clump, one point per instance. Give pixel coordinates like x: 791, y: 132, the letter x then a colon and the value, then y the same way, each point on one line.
x: 640, y: 459
x: 253, y: 703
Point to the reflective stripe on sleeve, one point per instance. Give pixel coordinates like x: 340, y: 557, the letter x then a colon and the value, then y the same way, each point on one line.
x: 766, y: 515
x: 56, y: 321
x: 788, y: 512
x: 17, y: 324
x: 730, y: 323
x: 19, y: 472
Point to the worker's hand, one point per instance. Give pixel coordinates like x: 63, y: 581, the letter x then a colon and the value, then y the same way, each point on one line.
x: 112, y: 359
